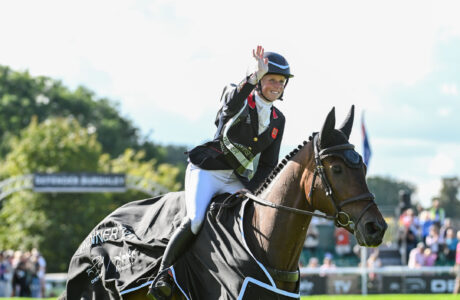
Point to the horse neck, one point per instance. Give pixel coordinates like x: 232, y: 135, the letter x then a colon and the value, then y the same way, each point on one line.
x: 277, y: 234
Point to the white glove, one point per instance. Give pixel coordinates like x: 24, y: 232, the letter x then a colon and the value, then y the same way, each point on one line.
x: 262, y: 65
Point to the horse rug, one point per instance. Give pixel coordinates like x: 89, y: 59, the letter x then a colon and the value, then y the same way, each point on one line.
x: 123, y: 253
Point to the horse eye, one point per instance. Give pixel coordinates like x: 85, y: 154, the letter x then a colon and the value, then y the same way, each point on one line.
x: 337, y: 169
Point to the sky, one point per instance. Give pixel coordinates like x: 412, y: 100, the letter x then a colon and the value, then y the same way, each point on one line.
x: 166, y: 62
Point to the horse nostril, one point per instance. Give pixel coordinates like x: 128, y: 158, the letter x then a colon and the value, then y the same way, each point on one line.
x: 373, y: 228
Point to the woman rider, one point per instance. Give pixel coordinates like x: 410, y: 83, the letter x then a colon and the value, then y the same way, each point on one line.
x: 244, y: 151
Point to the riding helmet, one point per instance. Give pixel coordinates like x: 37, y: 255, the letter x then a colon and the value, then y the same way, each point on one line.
x: 277, y: 64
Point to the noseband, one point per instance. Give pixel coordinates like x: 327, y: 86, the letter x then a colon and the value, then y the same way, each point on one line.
x: 342, y: 219
x: 354, y: 161
x: 319, y: 171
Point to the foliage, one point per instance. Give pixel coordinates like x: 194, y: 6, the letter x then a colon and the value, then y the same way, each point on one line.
x: 131, y: 162
x: 170, y: 154
x: 48, y: 222
x: 57, y: 223
x: 45, y: 127
x: 54, y: 145
x: 386, y: 191
x: 22, y: 97
x: 448, y: 196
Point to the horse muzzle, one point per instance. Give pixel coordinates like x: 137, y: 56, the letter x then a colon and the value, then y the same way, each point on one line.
x: 370, y: 233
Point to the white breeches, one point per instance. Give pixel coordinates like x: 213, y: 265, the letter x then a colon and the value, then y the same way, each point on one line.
x: 201, y: 185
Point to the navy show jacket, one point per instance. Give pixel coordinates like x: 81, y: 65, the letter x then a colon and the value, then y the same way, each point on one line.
x: 214, y: 155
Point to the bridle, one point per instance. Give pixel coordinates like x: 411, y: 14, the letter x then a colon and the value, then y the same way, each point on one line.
x: 341, y: 218
x: 319, y: 171
x: 289, y: 276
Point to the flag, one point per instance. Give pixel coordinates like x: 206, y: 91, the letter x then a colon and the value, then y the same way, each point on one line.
x: 366, y: 146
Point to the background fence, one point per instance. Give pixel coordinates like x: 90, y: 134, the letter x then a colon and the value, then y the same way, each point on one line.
x: 349, y: 280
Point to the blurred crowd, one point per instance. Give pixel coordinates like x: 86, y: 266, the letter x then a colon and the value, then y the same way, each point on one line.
x: 427, y: 237
x: 314, y: 256
x: 22, y: 274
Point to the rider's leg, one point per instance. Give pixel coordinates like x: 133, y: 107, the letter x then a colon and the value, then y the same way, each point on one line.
x: 230, y: 183
x: 200, y: 187
x: 178, y: 243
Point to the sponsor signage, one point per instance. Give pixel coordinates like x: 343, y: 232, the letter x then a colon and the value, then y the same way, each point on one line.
x: 79, y: 182
x: 382, y: 284
x: 425, y: 284
x: 330, y: 284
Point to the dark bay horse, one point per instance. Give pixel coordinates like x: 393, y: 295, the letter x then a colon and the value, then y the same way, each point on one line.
x: 323, y: 174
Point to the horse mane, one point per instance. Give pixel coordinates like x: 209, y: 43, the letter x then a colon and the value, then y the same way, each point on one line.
x: 280, y: 166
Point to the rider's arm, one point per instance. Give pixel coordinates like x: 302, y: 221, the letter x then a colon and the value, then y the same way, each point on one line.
x: 233, y: 97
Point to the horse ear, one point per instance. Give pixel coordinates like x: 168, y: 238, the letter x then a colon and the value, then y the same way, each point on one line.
x: 348, y: 123
x: 327, y: 129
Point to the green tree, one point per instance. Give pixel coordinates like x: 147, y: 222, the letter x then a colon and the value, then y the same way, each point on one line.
x: 448, y: 196
x: 23, y: 96
x: 52, y: 223
x: 131, y: 162
x: 386, y: 191
x: 58, y: 223
x: 171, y: 154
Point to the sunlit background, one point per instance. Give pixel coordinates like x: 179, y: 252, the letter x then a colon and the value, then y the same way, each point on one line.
x: 167, y: 61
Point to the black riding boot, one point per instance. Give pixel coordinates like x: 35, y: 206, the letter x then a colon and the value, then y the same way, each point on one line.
x: 161, y: 287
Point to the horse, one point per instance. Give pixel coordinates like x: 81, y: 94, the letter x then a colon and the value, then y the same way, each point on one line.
x: 322, y: 174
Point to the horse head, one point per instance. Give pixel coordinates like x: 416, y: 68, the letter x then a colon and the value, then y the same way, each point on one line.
x: 338, y: 187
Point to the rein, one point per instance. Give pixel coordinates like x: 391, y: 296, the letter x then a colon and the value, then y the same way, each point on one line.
x: 285, y: 208
x: 289, y: 276
x: 319, y: 171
